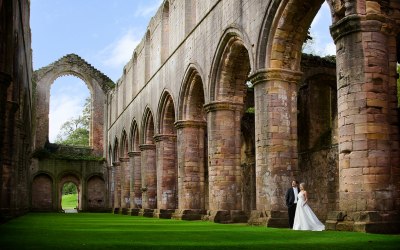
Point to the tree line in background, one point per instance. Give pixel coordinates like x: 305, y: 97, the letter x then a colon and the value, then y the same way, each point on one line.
x: 75, y: 132
x: 69, y: 188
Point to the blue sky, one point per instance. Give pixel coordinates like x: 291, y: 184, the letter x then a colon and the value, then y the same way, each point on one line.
x: 105, y: 33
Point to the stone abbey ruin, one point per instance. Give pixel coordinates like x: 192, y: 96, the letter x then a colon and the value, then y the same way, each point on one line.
x: 214, y: 115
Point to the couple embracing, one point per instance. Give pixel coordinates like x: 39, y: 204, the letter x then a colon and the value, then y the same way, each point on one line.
x: 301, y: 217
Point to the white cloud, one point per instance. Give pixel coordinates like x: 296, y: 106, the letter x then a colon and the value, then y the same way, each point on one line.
x: 147, y: 10
x: 330, y: 49
x: 118, y: 53
x: 62, y: 109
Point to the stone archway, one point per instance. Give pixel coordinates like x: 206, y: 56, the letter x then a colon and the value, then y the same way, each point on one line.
x: 228, y: 96
x: 148, y: 164
x: 65, y: 178
x: 192, y: 148
x: 98, y: 84
x: 166, y: 154
x: 364, y: 86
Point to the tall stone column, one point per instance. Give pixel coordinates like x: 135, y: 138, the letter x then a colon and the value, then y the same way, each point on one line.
x: 125, y: 184
x: 191, y: 168
x: 275, y: 94
x: 368, y: 124
x: 5, y: 81
x: 149, y: 176
x: 117, y: 187
x: 224, y: 144
x: 136, y: 181
x: 110, y: 186
x: 166, y: 175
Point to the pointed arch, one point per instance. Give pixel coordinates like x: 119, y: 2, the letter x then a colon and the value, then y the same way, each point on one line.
x: 231, y: 68
x: 192, y: 96
x: 148, y: 127
x: 124, y: 145
x: 166, y: 114
x: 284, y: 32
x: 134, y: 141
x: 116, y: 150
x: 98, y: 84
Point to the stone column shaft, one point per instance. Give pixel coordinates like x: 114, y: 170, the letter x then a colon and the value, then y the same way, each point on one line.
x: 166, y: 171
x: 117, y: 185
x: 191, y: 164
x: 136, y: 179
x: 149, y: 176
x: 125, y: 182
x: 368, y: 119
x: 225, y: 177
x: 276, y: 133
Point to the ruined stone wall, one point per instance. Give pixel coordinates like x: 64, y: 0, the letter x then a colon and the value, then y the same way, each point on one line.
x: 317, y: 133
x: 16, y: 93
x: 50, y: 173
x: 331, y: 132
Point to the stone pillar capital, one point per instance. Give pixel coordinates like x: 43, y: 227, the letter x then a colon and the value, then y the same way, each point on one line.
x: 123, y: 159
x: 163, y: 137
x: 365, y: 23
x: 134, y: 153
x: 144, y: 147
x: 222, y: 105
x: 270, y: 74
x: 190, y: 124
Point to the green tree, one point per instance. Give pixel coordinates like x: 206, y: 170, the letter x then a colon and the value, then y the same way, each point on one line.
x: 75, y: 132
x: 69, y: 188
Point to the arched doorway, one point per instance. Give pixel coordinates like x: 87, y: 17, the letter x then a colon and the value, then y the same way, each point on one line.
x: 70, y: 180
x: 69, y: 198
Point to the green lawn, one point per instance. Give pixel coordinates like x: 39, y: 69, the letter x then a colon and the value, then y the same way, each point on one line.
x: 69, y: 201
x: 108, y: 231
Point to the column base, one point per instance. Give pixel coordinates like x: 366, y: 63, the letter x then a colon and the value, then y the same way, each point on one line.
x: 188, y: 214
x: 116, y: 210
x: 124, y: 211
x: 227, y: 216
x: 134, y: 211
x: 146, y: 212
x: 366, y: 221
x: 163, y: 213
x: 278, y: 219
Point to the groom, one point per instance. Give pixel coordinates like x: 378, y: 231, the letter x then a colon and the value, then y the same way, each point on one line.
x: 291, y: 201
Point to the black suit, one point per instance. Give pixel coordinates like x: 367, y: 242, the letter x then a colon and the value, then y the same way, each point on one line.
x: 290, y: 198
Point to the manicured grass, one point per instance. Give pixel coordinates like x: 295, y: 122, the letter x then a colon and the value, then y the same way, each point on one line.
x: 108, y: 231
x: 69, y: 201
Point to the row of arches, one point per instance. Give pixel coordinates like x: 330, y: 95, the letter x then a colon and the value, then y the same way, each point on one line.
x: 46, y: 192
x: 208, y: 119
x: 160, y: 145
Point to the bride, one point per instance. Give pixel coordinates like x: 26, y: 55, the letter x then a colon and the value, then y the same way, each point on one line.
x: 304, y: 218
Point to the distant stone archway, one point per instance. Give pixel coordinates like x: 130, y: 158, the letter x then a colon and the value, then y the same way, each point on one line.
x: 98, y: 84
x: 76, y: 180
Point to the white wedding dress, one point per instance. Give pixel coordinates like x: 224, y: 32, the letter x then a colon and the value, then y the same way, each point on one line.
x: 304, y: 218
